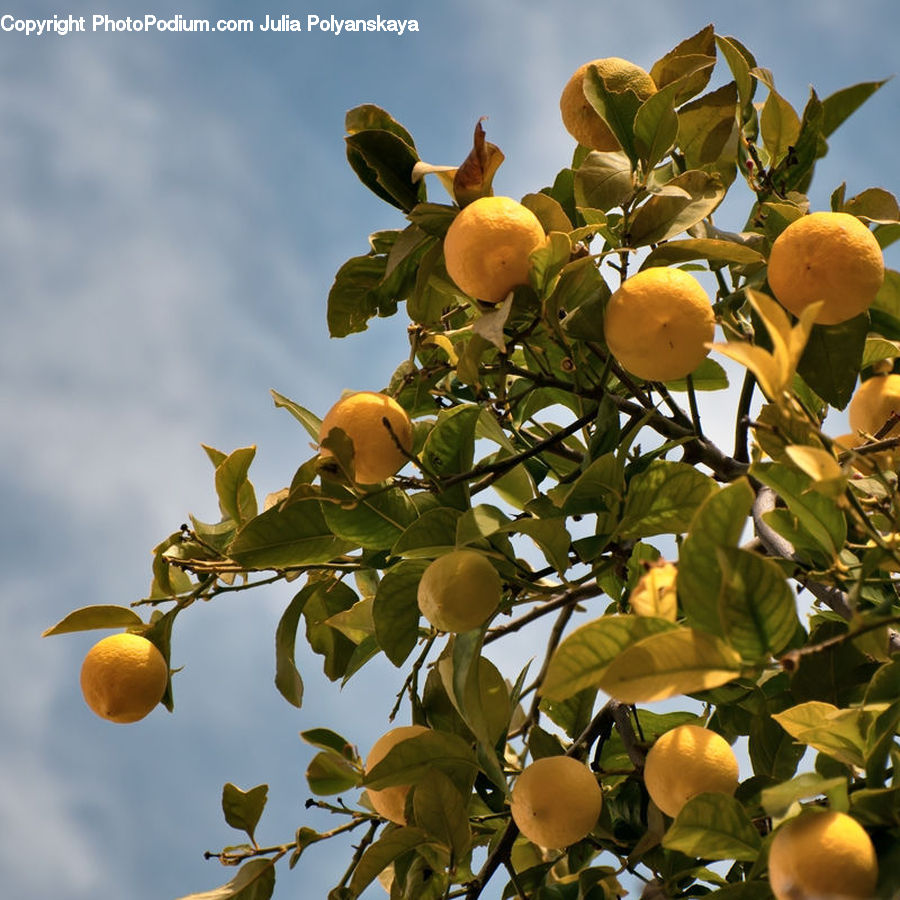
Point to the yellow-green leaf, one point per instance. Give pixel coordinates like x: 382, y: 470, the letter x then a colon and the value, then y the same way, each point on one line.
x: 664, y: 665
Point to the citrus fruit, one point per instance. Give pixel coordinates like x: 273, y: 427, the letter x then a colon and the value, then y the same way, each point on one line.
x: 873, y: 403
x: 658, y: 324
x: 123, y: 677
x: 361, y: 416
x: 581, y: 120
x: 822, y: 854
x: 459, y: 590
x: 487, y: 246
x: 686, y: 761
x: 655, y: 593
x: 390, y: 801
x: 556, y: 801
x: 828, y: 256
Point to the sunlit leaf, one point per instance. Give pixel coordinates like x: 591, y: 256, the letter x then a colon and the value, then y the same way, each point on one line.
x: 90, y: 617
x: 834, y: 731
x: 713, y: 826
x: 255, y: 880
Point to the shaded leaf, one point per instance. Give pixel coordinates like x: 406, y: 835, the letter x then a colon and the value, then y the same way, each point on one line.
x: 329, y: 773
x: 440, y: 809
x: 396, y: 609
x: 287, y: 676
x: 832, y: 359
x: 604, y: 180
x: 391, y: 845
x: 310, y: 421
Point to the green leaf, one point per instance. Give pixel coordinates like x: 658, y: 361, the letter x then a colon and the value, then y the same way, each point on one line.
x: 255, y: 880
x: 779, y: 123
x: 841, y: 104
x: 773, y: 753
x: 411, y: 760
x: 690, y: 198
x: 329, y: 773
x: 292, y: 535
x: 604, y: 180
x: 389, y: 847
x: 708, y: 376
x: 706, y: 126
x: 779, y: 798
x: 819, y: 515
x: 310, y: 421
x: 396, y: 609
x: 440, y: 809
x: 832, y: 359
x: 702, y: 248
x: 833, y: 731
x: 90, y: 617
x: 875, y: 204
x: 617, y: 109
x: 237, y: 498
x: 757, y: 607
x: 599, y: 488
x: 353, y: 298
x: 740, y: 61
x: 326, y: 739
x: 663, y: 499
x: 328, y: 598
x: 583, y: 656
x: 243, y: 809
x: 689, y: 64
x: 713, y: 826
x: 383, y: 156
x: 680, y: 661
x: 371, y: 521
x: 550, y: 535
x: 450, y: 449
x: 287, y: 676
x: 656, y: 125
x: 433, y: 533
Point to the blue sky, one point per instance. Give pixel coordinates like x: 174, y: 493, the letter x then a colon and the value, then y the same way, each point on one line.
x: 175, y: 207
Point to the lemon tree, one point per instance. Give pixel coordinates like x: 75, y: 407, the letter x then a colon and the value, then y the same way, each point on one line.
x: 618, y: 434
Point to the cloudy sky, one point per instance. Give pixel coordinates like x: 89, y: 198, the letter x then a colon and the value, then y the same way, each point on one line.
x: 174, y: 209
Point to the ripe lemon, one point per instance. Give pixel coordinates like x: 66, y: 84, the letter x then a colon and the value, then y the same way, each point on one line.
x: 658, y: 324
x: 686, y: 761
x: 123, y: 677
x: 360, y: 416
x: 459, y: 590
x: 822, y: 854
x: 581, y: 119
x: 390, y: 801
x: 655, y: 593
x: 873, y: 403
x: 828, y: 256
x: 487, y: 246
x: 556, y: 801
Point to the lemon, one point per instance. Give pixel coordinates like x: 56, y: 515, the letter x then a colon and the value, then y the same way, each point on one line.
x: 686, y: 761
x: 361, y: 416
x: 556, y: 801
x: 828, y: 256
x: 822, y: 854
x: 459, y: 591
x: 873, y: 403
x: 488, y: 245
x: 658, y: 324
x: 123, y: 677
x: 869, y: 463
x: 581, y: 120
x: 390, y: 802
x: 655, y: 593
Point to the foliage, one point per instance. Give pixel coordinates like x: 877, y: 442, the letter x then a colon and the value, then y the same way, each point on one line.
x: 535, y: 448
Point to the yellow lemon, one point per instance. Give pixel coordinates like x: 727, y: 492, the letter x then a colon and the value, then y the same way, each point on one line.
x: 123, y: 677
x: 487, y: 247
x: 556, y: 801
x: 658, y: 324
x: 822, y: 854
x: 581, y: 119
x: 361, y: 417
x: 686, y: 761
x: 655, y: 593
x: 828, y: 256
x: 391, y: 801
x: 459, y: 590
x: 873, y: 403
